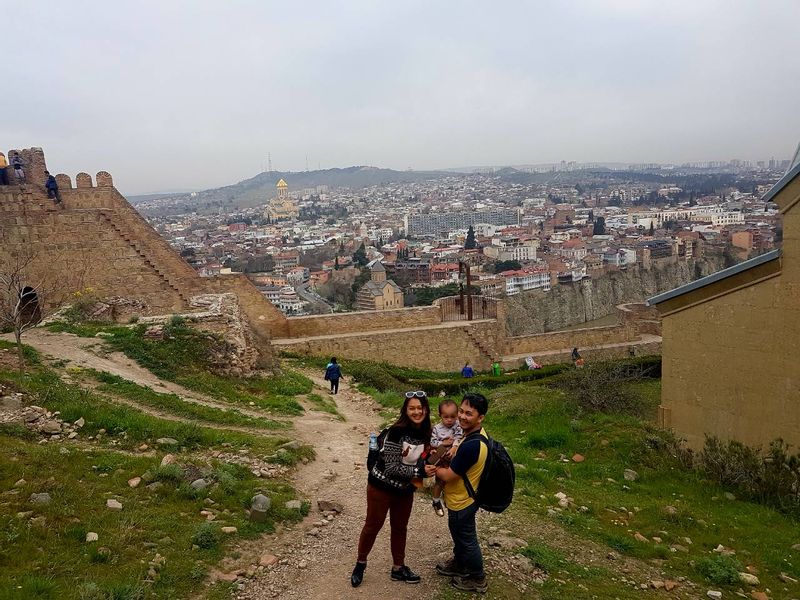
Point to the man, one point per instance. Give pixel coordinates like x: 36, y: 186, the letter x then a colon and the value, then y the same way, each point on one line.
x: 3, y: 165
x: 466, y: 566
x: 52, y: 187
x: 467, y: 371
x: 16, y: 162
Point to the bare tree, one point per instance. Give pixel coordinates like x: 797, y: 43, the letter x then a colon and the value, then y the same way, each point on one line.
x: 27, y: 295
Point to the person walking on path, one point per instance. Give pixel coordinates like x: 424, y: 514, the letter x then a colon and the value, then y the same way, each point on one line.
x: 466, y: 565
x: 16, y: 162
x: 333, y: 373
x: 3, y: 167
x: 52, y: 187
x: 467, y: 371
x: 390, y: 486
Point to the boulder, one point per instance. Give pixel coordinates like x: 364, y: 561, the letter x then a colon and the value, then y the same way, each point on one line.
x: 43, y: 498
x: 80, y: 422
x: 199, y: 484
x: 50, y: 427
x: 748, y: 578
x: 134, y: 482
x: 113, y: 504
x: 169, y: 459
x: 259, y: 505
x: 329, y: 506
x: 92, y: 537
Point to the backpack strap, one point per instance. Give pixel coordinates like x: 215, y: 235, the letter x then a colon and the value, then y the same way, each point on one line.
x: 470, y: 490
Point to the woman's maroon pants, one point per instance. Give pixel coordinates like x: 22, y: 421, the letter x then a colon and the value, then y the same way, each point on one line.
x: 398, y: 506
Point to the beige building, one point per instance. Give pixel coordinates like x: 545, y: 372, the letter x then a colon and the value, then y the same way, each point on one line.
x: 379, y: 293
x: 729, y: 343
x: 283, y: 206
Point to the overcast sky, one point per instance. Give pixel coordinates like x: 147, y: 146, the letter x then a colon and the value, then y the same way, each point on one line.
x: 195, y: 94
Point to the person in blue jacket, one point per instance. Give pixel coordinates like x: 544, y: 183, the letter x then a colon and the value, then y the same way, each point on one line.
x: 333, y: 373
x: 467, y: 371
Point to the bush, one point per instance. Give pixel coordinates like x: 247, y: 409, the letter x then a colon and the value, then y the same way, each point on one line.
x: 167, y: 473
x: 772, y: 479
x: 720, y: 570
x: 207, y: 536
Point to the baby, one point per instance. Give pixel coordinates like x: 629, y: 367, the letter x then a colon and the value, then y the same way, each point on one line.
x: 445, y: 438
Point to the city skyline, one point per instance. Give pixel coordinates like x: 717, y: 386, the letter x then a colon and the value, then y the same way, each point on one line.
x: 195, y: 96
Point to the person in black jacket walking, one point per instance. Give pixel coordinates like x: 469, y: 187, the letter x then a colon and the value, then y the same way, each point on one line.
x: 333, y: 373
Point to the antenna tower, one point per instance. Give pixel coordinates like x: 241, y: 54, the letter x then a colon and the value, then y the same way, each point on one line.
x: 269, y: 161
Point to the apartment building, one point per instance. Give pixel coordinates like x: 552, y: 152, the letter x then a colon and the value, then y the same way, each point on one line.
x: 439, y: 223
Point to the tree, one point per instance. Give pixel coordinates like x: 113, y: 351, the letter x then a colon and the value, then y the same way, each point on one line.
x: 652, y: 231
x: 470, y: 243
x: 507, y: 265
x: 599, y: 226
x: 360, y: 256
x: 27, y: 296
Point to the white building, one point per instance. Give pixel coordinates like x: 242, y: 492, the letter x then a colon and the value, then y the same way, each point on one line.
x: 522, y: 281
x: 511, y: 248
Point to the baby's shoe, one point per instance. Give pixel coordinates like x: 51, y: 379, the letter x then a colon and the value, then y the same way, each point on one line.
x: 437, y: 506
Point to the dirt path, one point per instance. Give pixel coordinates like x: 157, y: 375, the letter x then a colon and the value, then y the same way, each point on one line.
x: 87, y: 353
x: 318, y: 566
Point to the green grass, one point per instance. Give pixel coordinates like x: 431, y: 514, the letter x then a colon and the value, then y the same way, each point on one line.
x: 53, y: 560
x: 327, y: 405
x: 186, y: 356
x: 74, y: 402
x: 540, y: 426
x: 172, y: 404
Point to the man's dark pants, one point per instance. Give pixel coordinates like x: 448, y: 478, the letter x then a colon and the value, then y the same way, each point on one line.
x: 467, y: 550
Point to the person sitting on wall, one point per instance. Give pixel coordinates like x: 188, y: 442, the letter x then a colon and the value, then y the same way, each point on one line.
x: 467, y: 371
x: 576, y: 358
x: 16, y: 162
x: 3, y: 165
x: 52, y: 188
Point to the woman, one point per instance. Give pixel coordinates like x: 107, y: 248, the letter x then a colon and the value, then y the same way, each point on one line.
x: 333, y: 373
x: 390, y: 487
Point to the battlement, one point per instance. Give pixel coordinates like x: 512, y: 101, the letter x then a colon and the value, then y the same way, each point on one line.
x: 35, y: 165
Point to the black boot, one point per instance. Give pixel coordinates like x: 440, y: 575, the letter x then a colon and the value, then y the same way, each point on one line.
x: 358, y: 574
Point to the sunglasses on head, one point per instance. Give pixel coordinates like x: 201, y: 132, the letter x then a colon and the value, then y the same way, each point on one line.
x: 418, y: 394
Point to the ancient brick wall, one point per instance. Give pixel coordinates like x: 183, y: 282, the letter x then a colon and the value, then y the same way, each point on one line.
x: 363, y: 321
x: 580, y: 338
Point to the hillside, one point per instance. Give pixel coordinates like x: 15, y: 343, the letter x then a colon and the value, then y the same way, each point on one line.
x: 258, y: 189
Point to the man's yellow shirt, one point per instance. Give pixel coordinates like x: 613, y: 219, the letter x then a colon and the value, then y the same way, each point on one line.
x: 471, y: 455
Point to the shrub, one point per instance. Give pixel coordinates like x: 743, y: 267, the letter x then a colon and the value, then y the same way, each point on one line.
x: 604, y: 387
x: 207, y: 536
x: 720, y: 570
x: 167, y: 473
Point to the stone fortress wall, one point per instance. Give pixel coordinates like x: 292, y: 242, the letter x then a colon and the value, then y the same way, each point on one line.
x: 96, y: 239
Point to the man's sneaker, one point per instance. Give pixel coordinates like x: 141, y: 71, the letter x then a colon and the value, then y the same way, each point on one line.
x: 468, y: 583
x: 437, y: 506
x: 448, y: 568
x: 405, y: 574
x: 358, y: 574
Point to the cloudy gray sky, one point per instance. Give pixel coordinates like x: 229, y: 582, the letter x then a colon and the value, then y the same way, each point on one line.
x: 167, y: 94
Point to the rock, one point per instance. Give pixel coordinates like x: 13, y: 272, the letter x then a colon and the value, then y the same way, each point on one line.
x: 313, y: 532
x: 199, y: 484
x: 630, y: 475
x: 143, y: 447
x: 156, y: 485
x: 267, y: 560
x: 656, y: 584
x: 169, y: 459
x: 796, y: 547
x: 657, y: 539
x: 91, y: 537
x: 24, y: 514
x: 19, y: 483
x: 560, y: 495
x: 640, y: 538
x: 38, y: 521
x: 302, y: 564
x: 329, y: 506
x: 167, y: 441
x: 670, y: 511
x: 729, y: 496
x: 43, y: 498
x: 786, y: 578
x: 714, y: 594
x: 748, y: 578
x: 228, y: 530
x: 578, y: 458
x: 259, y: 505
x: 758, y: 596
x: 679, y: 548
x: 669, y: 585
x: 113, y: 504
x: 507, y: 542
x: 294, y: 504
x: 612, y: 556
x: 50, y: 427
x: 134, y: 482
x: 80, y: 423
x: 293, y: 445
x: 72, y: 436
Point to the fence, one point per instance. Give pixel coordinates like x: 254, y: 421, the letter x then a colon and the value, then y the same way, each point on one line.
x: 454, y: 310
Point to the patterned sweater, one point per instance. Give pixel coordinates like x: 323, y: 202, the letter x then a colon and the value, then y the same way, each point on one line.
x: 402, y: 449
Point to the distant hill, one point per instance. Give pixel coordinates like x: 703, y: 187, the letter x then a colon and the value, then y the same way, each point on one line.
x: 258, y: 189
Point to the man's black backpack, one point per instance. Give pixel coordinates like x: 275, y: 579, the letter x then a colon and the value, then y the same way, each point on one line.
x: 496, y: 486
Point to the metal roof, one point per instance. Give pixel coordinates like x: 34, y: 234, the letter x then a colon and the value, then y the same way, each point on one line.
x: 792, y: 172
x: 714, y: 277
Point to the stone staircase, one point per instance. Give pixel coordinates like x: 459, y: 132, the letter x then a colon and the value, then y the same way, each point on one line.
x: 485, y: 350
x: 142, y: 250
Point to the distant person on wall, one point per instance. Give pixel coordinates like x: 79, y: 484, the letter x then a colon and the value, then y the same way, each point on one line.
x: 333, y: 373
x: 3, y: 166
x: 52, y: 187
x: 399, y: 462
x: 467, y: 371
x: 16, y: 162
